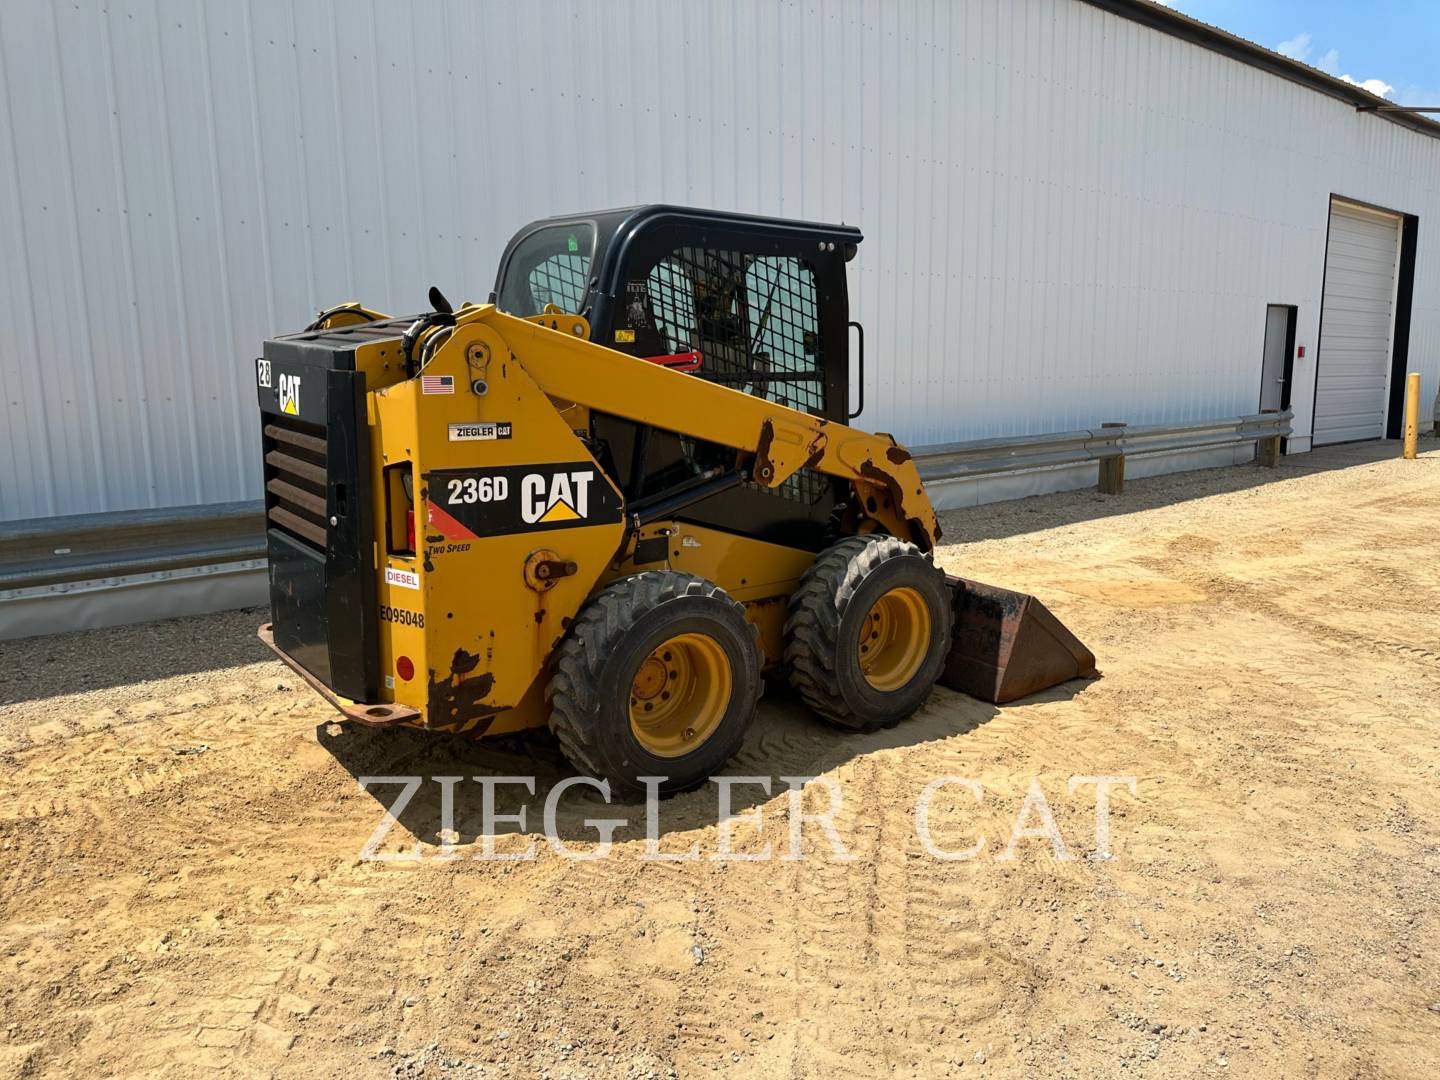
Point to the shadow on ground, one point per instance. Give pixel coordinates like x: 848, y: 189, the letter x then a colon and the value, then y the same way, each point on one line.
x: 786, y: 740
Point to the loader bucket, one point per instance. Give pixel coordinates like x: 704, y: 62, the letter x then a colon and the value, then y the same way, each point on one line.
x: 1006, y: 645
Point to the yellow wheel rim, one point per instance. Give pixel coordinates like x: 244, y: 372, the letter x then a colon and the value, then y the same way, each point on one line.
x: 893, y: 639
x: 679, y: 695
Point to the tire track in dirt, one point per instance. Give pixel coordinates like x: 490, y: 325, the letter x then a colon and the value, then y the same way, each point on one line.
x: 146, y: 788
x: 955, y: 983
x: 835, y: 948
x: 1258, y: 600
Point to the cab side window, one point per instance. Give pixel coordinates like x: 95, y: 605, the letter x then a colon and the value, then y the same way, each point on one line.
x: 550, y: 266
x: 559, y: 280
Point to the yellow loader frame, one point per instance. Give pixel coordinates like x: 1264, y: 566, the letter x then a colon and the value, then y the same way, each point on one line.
x: 476, y: 619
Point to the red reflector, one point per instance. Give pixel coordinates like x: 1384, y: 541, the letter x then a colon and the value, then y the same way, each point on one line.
x: 405, y: 668
x: 409, y: 534
x: 685, y: 361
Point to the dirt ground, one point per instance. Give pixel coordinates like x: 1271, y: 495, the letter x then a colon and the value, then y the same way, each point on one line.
x: 181, y: 888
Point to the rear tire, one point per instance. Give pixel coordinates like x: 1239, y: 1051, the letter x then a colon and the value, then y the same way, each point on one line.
x: 658, y: 676
x: 868, y: 632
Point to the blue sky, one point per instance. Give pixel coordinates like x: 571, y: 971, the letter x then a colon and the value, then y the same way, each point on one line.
x: 1392, y: 44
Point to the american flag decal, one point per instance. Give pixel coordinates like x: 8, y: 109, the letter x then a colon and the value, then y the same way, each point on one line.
x: 437, y: 384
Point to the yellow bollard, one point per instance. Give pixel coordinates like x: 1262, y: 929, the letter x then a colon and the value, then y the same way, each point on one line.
x: 1412, y: 413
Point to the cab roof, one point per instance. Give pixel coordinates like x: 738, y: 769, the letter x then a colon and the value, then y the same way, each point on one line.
x: 617, y: 227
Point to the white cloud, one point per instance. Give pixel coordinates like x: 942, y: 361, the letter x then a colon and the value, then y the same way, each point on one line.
x: 1301, y: 46
x: 1378, y: 87
x: 1297, y: 48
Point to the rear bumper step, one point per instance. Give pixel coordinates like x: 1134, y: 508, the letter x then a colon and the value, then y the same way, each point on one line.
x: 377, y: 715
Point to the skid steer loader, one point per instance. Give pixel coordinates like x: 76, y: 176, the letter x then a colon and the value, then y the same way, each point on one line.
x: 612, y: 498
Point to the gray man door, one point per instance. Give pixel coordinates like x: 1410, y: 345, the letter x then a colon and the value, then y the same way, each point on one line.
x: 1272, y: 368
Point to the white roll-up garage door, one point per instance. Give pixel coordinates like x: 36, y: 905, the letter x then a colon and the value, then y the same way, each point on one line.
x: 1356, y: 320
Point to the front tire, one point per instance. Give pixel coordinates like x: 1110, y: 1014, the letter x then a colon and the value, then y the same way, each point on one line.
x: 658, y: 676
x: 868, y: 632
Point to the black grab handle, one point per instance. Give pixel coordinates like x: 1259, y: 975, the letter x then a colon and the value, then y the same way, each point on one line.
x: 859, y: 369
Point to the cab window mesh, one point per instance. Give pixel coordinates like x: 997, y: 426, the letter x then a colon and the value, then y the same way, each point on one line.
x: 754, y: 319
x: 559, y: 280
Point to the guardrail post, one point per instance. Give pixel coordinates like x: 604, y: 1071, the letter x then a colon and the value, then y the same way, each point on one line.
x: 1267, y: 451
x: 1112, y: 469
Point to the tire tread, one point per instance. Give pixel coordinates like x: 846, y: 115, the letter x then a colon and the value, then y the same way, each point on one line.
x: 574, y: 690
x: 812, y: 626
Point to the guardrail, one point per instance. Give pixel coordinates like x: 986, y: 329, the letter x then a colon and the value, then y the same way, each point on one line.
x: 91, y: 570
x: 992, y: 457
x: 53, y: 558
x: 53, y: 552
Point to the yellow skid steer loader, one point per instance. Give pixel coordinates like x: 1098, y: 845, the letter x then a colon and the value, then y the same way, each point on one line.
x: 611, y: 498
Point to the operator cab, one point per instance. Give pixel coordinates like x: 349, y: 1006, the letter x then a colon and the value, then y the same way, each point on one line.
x: 756, y: 304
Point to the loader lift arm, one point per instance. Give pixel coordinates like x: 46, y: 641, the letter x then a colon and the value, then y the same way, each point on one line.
x: 555, y: 352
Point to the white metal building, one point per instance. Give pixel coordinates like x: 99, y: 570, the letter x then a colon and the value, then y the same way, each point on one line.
x: 1076, y: 210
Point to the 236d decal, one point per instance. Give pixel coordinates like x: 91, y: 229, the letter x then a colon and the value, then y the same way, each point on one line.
x: 470, y: 503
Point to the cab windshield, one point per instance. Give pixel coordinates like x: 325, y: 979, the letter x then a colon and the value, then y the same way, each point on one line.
x: 550, y: 266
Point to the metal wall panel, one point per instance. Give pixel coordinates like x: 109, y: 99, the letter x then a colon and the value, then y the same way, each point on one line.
x: 1071, y: 217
